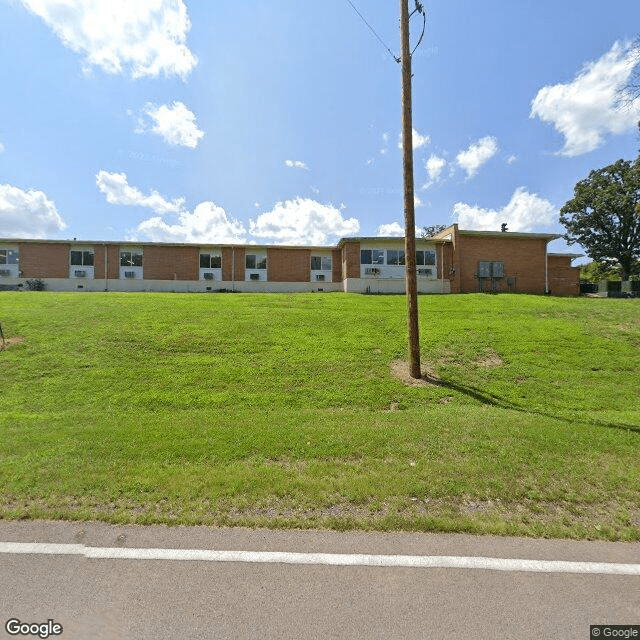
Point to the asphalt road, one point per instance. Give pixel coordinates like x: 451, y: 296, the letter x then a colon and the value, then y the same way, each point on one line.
x: 139, y: 599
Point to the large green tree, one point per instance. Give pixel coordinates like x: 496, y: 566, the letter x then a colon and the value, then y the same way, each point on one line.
x: 604, y: 216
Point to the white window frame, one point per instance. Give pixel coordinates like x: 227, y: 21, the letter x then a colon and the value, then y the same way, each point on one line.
x: 76, y: 270
x: 10, y: 269
x: 213, y: 273
x: 261, y: 271
x: 136, y: 270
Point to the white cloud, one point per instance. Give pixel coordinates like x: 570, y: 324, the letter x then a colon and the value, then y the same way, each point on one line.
x: 393, y: 229
x: 435, y: 164
x: 385, y: 144
x: 416, y: 201
x: 175, y: 123
x: 303, y: 221
x: 117, y: 190
x: 586, y: 109
x: 417, y: 139
x: 207, y: 223
x: 511, y: 159
x: 27, y: 214
x: 146, y: 36
x: 1, y: 148
x: 296, y: 164
x: 524, y: 212
x: 477, y: 154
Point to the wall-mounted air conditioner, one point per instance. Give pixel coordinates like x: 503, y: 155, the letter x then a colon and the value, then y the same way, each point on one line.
x: 254, y: 276
x: 129, y: 274
x: 81, y: 274
x: 320, y: 276
x: 5, y: 272
x: 208, y: 276
x: 372, y: 271
x: 425, y: 272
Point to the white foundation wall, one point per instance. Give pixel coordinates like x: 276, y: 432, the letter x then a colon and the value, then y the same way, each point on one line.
x: 394, y: 285
x: 353, y: 285
x: 177, y: 286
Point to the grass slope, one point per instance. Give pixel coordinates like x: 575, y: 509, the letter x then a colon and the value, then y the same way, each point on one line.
x: 280, y: 410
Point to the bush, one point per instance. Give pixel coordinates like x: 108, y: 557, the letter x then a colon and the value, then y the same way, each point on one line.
x: 35, y: 285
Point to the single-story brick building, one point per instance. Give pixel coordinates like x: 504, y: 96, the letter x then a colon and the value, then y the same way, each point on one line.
x: 453, y: 261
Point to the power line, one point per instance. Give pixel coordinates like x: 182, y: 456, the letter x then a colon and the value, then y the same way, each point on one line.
x: 374, y: 32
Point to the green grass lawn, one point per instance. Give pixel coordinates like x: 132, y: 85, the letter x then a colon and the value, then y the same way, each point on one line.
x: 281, y: 411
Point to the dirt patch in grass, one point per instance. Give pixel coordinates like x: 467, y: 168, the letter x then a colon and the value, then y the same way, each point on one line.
x: 490, y: 359
x: 400, y: 371
x: 9, y: 342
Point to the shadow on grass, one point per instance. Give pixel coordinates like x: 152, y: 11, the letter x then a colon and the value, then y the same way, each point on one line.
x: 496, y: 401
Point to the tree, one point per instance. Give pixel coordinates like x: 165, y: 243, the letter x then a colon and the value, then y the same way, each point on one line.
x: 604, y: 216
x: 429, y: 232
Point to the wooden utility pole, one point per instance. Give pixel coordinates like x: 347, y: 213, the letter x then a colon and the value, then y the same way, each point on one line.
x: 409, y: 211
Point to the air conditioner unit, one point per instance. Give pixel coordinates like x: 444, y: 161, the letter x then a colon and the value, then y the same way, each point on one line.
x: 425, y: 272
x: 372, y: 271
x: 5, y: 272
x: 208, y: 276
x: 320, y: 276
x: 254, y: 276
x: 81, y: 274
x: 129, y: 274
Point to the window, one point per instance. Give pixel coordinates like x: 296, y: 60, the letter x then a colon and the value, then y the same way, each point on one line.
x: 490, y: 269
x: 131, y: 258
x: 255, y: 262
x: 371, y: 256
x: 82, y: 258
x: 320, y: 263
x: 9, y: 256
x: 425, y: 258
x: 210, y: 261
x: 395, y: 256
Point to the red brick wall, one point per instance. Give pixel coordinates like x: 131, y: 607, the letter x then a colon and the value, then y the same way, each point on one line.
x: 336, y: 265
x: 444, y: 261
x: 171, y: 263
x: 288, y: 265
x: 228, y: 272
x: 43, y: 260
x: 523, y: 258
x: 350, y: 260
x: 113, y: 261
x: 564, y: 280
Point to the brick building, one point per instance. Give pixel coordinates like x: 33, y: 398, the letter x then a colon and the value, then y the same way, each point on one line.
x: 453, y: 261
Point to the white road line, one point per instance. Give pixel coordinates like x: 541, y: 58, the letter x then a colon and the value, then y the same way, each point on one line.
x: 340, y: 559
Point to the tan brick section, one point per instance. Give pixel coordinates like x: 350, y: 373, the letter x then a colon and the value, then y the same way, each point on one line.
x: 444, y: 261
x: 43, y: 260
x: 336, y: 265
x: 564, y: 280
x: 171, y: 263
x: 229, y: 273
x: 350, y: 260
x: 523, y: 258
x: 288, y: 265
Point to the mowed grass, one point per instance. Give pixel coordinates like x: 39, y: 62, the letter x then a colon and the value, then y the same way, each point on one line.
x: 281, y: 411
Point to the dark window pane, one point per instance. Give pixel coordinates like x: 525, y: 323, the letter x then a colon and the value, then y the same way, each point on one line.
x: 484, y: 270
x: 216, y: 262
x: 419, y: 258
x: 205, y: 261
x: 365, y: 256
x: 261, y: 263
x: 429, y: 257
x: 316, y: 263
x: 136, y: 259
x: 76, y: 258
x: 377, y: 256
x: 400, y: 257
x: 125, y: 259
x: 250, y: 261
x: 392, y: 256
x: 3, y: 256
x: 498, y: 270
x: 87, y: 258
x: 13, y: 257
x: 326, y: 264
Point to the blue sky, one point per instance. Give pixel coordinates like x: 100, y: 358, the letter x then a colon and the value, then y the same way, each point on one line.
x: 278, y: 122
